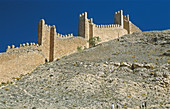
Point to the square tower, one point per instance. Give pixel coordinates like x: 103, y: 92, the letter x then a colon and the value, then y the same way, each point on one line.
x: 118, y: 18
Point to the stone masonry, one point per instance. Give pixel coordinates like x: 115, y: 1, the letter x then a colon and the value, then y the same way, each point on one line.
x: 52, y: 45
x: 121, y: 26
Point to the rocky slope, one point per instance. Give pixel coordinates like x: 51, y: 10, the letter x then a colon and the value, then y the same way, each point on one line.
x: 128, y: 71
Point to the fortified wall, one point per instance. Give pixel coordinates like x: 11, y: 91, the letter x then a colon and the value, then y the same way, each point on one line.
x: 19, y: 60
x: 121, y: 26
x: 52, y: 45
x: 55, y: 45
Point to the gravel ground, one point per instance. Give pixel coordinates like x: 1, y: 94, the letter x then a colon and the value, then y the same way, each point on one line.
x: 129, y: 71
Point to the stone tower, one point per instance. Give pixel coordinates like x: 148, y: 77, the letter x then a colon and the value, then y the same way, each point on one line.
x: 83, y: 26
x: 45, y: 39
x: 118, y: 18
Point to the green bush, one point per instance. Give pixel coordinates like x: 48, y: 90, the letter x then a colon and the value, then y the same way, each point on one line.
x: 94, y: 40
x: 79, y: 48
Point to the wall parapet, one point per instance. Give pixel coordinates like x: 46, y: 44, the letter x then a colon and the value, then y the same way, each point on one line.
x: 23, y: 46
x: 47, y: 27
x: 107, y: 26
x: 58, y: 35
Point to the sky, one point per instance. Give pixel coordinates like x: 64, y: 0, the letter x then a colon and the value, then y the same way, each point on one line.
x: 19, y: 18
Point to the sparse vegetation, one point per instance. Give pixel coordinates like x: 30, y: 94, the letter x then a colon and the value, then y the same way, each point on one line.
x: 155, y: 75
x: 5, y: 102
x: 152, y: 73
x: 133, y: 56
x: 143, y: 94
x: 7, y: 82
x: 18, y: 78
x: 58, y: 59
x: 165, y: 75
x: 94, y: 40
x: 168, y: 60
x: 3, y: 83
x: 7, y: 89
x: 79, y: 48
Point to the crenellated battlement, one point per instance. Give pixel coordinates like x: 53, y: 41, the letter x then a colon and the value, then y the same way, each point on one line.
x: 83, y: 15
x: 58, y: 35
x: 126, y: 17
x: 47, y: 27
x: 108, y: 26
x: 22, y: 46
x: 119, y: 12
x: 118, y: 18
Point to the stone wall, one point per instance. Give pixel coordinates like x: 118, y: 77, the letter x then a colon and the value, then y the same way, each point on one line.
x: 22, y: 47
x: 52, y: 45
x: 21, y: 61
x: 109, y: 32
x: 134, y: 28
x: 68, y: 46
x: 122, y: 26
x: 129, y: 26
x: 126, y: 25
x: 55, y: 45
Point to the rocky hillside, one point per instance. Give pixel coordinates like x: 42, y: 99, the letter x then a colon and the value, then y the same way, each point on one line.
x: 128, y: 72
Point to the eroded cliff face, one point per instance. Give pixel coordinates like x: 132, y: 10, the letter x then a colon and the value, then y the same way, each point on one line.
x: 129, y: 71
